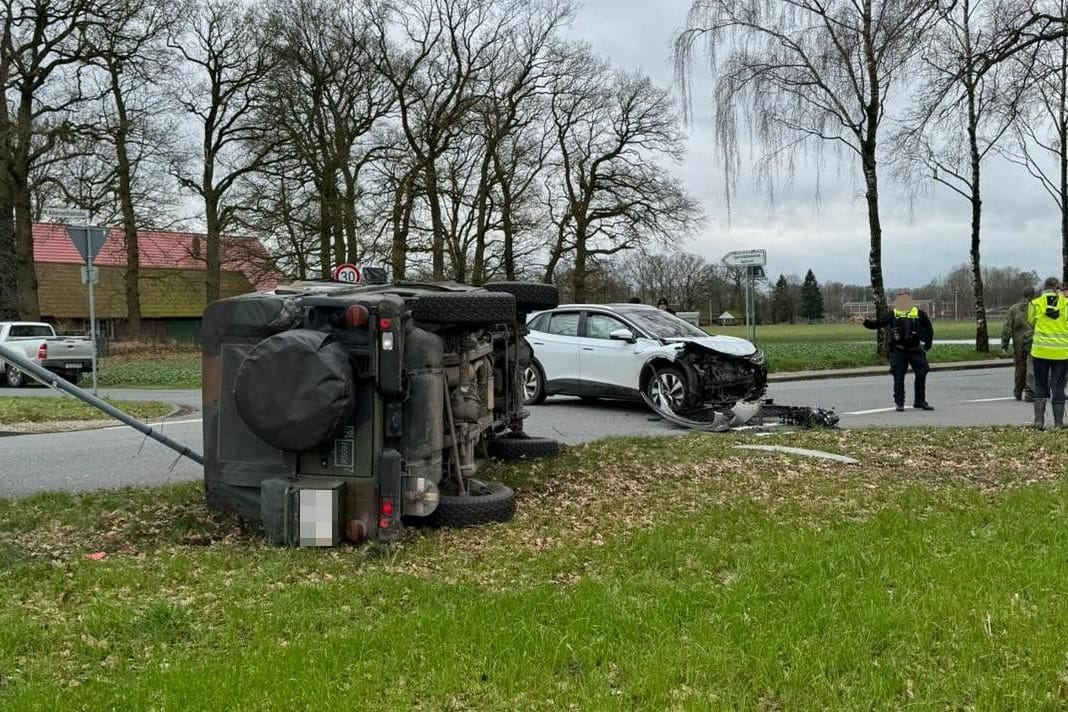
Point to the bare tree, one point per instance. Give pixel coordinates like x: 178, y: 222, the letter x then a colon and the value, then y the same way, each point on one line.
x: 226, y: 62
x: 606, y: 192
x: 963, y: 111
x: 807, y: 73
x: 40, y: 45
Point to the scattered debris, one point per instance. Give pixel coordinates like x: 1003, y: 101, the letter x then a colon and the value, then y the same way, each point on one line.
x: 803, y: 452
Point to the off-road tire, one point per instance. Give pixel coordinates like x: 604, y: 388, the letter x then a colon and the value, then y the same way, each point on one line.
x: 529, y: 296
x: 73, y: 377
x: 455, y: 511
x: 464, y: 308
x: 509, y: 448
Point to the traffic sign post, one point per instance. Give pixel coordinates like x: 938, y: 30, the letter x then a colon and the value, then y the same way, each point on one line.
x: 88, y: 241
x: 753, y: 261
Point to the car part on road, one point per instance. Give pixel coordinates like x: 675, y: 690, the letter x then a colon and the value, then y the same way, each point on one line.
x: 803, y: 452
x: 53, y: 381
x: 745, y: 413
x: 385, y: 399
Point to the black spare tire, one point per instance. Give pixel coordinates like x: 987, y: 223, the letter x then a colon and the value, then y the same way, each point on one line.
x: 473, y: 307
x: 529, y: 296
x: 294, y: 390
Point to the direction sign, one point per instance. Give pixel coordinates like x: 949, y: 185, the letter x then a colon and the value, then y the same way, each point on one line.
x: 87, y: 240
x: 347, y: 273
x: 68, y: 216
x: 745, y: 258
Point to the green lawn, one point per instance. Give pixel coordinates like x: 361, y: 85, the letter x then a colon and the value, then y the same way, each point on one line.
x: 839, y: 332
x: 639, y: 574
x: 150, y: 370
x: 15, y: 409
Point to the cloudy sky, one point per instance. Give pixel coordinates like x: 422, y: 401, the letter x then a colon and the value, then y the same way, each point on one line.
x: 1020, y: 223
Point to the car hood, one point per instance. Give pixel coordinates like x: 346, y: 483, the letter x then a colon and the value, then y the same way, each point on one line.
x: 729, y: 345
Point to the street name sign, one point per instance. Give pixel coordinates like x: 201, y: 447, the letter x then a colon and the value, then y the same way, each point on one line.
x: 68, y: 216
x: 746, y: 258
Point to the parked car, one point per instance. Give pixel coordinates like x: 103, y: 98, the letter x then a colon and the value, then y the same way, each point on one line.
x: 334, y: 411
x: 67, y: 356
x: 622, y: 350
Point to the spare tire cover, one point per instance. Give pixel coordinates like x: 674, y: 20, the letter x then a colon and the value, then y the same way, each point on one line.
x: 295, y: 389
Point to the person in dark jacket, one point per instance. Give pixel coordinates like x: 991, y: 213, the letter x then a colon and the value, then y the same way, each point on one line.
x: 911, y: 335
x: 663, y: 305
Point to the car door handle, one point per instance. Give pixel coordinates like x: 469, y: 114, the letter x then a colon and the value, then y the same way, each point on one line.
x: 587, y: 348
x: 538, y: 343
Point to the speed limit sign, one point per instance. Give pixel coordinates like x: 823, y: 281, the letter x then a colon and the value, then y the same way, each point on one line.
x: 347, y: 273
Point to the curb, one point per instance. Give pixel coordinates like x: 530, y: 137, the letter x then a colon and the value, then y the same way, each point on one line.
x: 83, y: 425
x: 883, y: 370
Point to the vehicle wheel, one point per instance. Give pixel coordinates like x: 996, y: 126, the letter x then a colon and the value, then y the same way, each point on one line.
x: 667, y: 389
x: 485, y: 502
x: 520, y: 446
x: 533, y: 385
x: 529, y: 296
x: 74, y: 377
x: 464, y: 308
x: 15, y: 377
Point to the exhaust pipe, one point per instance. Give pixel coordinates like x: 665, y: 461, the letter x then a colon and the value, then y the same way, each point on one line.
x: 61, y: 384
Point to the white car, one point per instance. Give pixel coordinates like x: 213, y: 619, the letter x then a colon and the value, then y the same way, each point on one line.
x: 622, y: 350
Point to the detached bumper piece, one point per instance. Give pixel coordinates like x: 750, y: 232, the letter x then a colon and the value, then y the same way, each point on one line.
x: 748, y: 413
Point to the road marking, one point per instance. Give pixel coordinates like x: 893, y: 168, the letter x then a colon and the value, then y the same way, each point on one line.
x: 868, y: 412
x: 164, y: 424
x: 990, y: 400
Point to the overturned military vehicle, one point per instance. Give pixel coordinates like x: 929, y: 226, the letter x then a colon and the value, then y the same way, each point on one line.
x: 340, y: 412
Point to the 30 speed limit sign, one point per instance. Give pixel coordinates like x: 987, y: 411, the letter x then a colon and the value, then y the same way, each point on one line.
x: 347, y: 273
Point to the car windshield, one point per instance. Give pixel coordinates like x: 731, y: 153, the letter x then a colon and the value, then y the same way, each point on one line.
x: 661, y: 324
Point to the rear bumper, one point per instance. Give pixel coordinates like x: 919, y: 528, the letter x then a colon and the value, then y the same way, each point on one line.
x: 59, y: 365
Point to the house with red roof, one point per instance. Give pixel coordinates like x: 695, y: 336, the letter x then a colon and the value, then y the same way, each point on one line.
x: 172, y: 280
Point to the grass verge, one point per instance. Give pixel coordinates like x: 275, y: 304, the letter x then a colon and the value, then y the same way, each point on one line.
x: 14, y: 409
x: 802, y: 356
x: 167, y: 369
x: 639, y: 574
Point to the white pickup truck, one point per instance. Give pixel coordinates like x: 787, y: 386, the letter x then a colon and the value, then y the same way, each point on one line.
x: 68, y: 356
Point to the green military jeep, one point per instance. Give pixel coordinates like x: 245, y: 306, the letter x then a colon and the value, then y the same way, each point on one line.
x: 339, y: 412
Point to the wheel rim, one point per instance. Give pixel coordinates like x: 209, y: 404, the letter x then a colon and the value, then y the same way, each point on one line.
x: 530, y: 383
x: 668, y: 391
x: 14, y: 376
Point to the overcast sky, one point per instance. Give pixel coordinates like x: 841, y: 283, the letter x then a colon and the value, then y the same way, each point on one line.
x: 1020, y: 221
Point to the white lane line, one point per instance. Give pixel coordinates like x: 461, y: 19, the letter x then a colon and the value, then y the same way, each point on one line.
x: 990, y: 400
x: 157, y: 425
x: 868, y: 412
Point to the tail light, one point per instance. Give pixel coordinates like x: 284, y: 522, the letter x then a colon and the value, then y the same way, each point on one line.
x: 356, y: 316
x: 42, y: 352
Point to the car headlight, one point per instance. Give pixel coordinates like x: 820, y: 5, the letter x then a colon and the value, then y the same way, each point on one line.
x: 757, y: 358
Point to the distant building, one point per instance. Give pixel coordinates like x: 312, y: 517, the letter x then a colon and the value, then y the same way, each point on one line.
x: 172, y: 280
x: 726, y: 319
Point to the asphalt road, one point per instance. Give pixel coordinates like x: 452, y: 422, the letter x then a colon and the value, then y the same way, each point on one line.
x: 120, y: 456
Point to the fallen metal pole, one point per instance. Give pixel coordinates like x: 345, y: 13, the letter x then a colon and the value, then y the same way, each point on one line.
x: 50, y: 379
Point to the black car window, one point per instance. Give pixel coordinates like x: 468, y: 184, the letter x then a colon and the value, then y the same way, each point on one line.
x: 564, y: 324
x: 661, y: 324
x: 24, y: 330
x: 539, y: 323
x: 600, y: 326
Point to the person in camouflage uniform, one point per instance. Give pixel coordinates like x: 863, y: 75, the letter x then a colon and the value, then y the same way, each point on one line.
x: 1020, y: 332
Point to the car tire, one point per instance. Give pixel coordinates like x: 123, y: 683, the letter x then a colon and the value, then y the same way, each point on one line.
x: 74, y: 377
x: 529, y: 296
x: 533, y: 385
x: 14, y: 377
x: 495, y: 504
x: 464, y: 308
x: 520, y: 446
x: 668, y: 387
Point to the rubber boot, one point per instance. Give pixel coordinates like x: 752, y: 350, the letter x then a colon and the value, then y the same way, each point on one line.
x: 1040, y: 414
x: 1058, y: 415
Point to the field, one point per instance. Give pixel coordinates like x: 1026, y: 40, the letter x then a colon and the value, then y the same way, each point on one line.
x: 813, y: 347
x: 675, y: 573
x: 151, y: 366
x: 39, y: 410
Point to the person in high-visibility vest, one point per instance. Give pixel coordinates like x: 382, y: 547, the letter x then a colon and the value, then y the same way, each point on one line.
x: 1048, y: 314
x: 911, y: 336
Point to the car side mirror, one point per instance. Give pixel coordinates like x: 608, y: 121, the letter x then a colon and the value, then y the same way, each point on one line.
x: 622, y: 335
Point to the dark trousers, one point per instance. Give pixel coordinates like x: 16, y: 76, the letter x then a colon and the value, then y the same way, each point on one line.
x: 1024, y: 380
x: 900, y: 360
x: 1049, y: 378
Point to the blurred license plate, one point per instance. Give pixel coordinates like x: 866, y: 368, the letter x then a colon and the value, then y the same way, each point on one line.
x: 72, y: 365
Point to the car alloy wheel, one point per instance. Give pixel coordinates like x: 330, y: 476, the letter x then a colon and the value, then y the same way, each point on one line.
x: 531, y: 383
x: 668, y: 390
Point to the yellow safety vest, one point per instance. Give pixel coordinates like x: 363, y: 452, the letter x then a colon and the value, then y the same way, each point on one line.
x: 1051, y: 334
x: 913, y: 313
